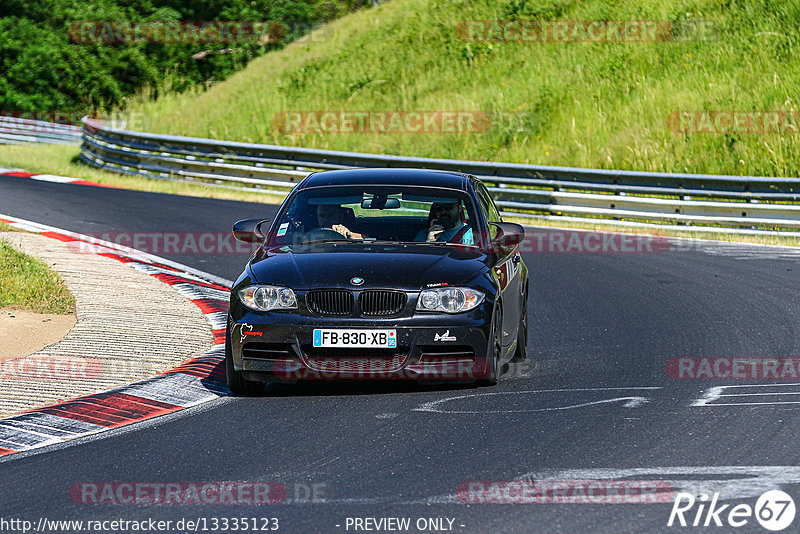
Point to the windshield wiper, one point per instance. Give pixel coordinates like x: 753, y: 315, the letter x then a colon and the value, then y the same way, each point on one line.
x: 342, y: 240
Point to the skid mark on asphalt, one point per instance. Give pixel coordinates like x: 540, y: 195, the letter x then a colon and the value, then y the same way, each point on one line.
x: 731, y: 482
x: 597, y: 486
x: 739, y: 251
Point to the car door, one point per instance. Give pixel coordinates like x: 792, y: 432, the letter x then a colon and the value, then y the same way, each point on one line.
x: 506, y: 271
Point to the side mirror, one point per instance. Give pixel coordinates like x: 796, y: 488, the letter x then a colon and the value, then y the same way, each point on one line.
x: 509, y: 235
x: 249, y: 230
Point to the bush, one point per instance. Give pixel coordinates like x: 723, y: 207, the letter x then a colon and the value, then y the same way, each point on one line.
x: 42, y: 69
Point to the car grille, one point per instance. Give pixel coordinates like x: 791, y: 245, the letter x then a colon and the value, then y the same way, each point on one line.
x: 337, y: 302
x: 369, y: 365
x: 381, y: 303
x: 364, y: 361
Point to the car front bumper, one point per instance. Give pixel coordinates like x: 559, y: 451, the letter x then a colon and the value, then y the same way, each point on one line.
x: 279, y: 347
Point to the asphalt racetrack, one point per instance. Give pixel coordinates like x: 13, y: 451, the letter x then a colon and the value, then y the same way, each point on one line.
x: 593, y: 402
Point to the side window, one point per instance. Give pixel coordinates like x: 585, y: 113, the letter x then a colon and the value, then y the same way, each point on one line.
x: 488, y: 208
x: 494, y: 215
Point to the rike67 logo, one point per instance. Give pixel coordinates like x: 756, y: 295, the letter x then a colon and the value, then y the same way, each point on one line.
x: 774, y: 510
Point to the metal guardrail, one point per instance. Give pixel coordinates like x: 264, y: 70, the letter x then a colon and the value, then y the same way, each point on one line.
x: 17, y: 131
x: 685, y: 199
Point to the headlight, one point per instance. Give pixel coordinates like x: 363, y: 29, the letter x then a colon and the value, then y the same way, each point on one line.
x: 449, y: 299
x: 268, y: 298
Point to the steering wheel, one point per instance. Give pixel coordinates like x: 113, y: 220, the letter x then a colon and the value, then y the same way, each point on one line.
x: 321, y: 233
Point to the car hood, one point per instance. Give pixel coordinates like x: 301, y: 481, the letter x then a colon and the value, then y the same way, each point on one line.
x: 409, y: 266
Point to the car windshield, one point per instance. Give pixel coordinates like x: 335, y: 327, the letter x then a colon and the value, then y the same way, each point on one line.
x: 365, y: 214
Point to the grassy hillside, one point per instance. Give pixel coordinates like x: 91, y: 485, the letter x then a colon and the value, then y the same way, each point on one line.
x: 582, y: 104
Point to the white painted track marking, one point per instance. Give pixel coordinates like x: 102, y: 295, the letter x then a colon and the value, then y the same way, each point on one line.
x: 630, y: 401
x: 717, y: 392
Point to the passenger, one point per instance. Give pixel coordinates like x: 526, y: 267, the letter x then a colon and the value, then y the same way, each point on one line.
x: 447, y: 224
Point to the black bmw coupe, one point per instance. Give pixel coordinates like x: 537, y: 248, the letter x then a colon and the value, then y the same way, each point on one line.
x: 379, y: 274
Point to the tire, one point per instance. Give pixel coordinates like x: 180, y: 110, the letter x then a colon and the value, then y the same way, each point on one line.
x: 493, y: 352
x: 521, y: 354
x: 236, y: 382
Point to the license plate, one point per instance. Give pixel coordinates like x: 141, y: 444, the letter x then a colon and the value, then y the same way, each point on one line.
x: 384, y: 339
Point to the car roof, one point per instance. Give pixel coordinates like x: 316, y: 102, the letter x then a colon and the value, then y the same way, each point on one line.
x: 413, y: 177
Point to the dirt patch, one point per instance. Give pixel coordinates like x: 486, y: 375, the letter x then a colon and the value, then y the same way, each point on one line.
x: 24, y: 332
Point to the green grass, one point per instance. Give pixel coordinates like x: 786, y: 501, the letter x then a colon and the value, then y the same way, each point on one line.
x: 27, y: 283
x: 602, y: 105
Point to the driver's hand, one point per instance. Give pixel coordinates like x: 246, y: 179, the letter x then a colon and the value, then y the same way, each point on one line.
x: 346, y: 232
x: 434, y: 232
x: 342, y: 229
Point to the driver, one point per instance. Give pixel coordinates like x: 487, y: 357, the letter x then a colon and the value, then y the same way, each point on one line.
x: 447, y: 224
x: 332, y: 216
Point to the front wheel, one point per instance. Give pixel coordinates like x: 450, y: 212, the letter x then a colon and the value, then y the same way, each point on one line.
x: 521, y: 353
x: 493, y: 351
x: 237, y: 383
